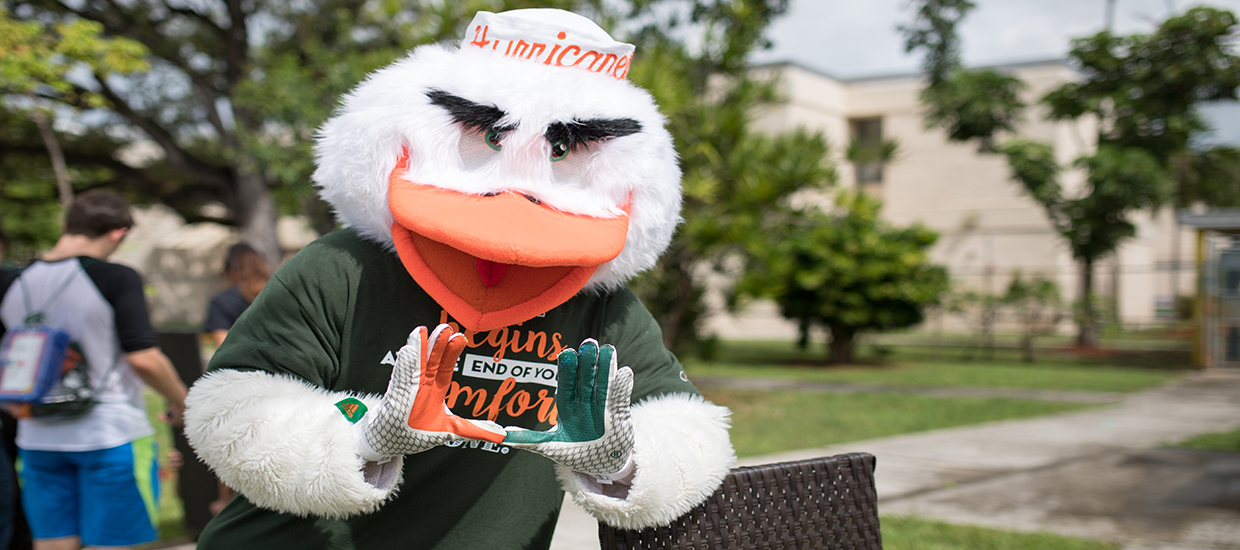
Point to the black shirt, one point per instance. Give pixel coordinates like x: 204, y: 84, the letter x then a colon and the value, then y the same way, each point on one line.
x: 224, y: 310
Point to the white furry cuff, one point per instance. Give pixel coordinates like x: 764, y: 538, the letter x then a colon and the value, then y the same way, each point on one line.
x: 681, y: 454
x: 283, y: 444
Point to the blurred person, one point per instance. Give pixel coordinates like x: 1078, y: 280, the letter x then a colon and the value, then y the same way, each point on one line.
x: 14, y: 533
x: 247, y: 272
x: 5, y: 244
x: 102, y: 464
x: 8, y: 475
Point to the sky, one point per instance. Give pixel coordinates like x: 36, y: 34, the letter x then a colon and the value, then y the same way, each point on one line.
x: 858, y: 38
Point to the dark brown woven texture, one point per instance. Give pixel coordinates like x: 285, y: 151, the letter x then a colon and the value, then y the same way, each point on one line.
x: 821, y: 503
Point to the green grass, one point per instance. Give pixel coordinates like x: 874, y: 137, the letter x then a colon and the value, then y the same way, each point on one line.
x: 770, y: 422
x: 1219, y: 441
x: 904, y: 533
x: 170, y: 511
x: 783, y: 360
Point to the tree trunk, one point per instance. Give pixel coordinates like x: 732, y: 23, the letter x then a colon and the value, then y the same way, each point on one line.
x: 803, y: 333
x: 1175, y: 265
x: 841, y: 348
x: 1026, y: 348
x: 256, y: 217
x: 58, y: 159
x: 680, y: 264
x: 988, y: 333
x: 1087, y: 337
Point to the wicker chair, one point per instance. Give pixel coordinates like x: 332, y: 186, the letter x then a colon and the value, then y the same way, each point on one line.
x: 821, y: 503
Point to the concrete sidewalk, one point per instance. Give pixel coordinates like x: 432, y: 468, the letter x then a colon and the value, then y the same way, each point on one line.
x: 1098, y: 473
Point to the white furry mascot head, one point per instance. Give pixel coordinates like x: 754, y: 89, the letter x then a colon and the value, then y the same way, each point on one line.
x: 508, y: 173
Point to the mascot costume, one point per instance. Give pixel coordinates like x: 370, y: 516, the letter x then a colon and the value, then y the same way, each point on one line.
x: 502, y: 192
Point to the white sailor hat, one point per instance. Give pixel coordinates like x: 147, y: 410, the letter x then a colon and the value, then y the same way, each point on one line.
x: 551, y: 37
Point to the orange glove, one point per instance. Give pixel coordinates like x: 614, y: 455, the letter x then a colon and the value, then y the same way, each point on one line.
x: 412, y: 417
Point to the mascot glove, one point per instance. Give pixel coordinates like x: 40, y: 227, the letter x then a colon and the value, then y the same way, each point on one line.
x: 412, y: 416
x: 594, y: 434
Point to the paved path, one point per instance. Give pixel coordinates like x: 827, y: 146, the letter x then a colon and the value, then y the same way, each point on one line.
x: 1098, y: 473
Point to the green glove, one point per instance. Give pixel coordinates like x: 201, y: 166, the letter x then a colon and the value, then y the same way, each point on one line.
x: 594, y: 434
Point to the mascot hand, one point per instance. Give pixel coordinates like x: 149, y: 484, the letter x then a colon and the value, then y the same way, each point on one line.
x: 412, y: 416
x: 594, y: 434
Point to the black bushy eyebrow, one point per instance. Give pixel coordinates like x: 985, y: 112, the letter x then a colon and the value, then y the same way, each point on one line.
x: 578, y: 132
x: 471, y: 115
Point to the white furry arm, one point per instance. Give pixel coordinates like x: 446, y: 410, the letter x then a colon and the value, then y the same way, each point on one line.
x: 681, y: 454
x: 284, y: 444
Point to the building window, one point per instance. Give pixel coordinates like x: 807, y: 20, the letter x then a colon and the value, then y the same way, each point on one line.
x: 867, y: 150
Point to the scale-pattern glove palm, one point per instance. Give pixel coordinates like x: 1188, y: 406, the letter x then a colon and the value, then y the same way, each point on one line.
x: 594, y: 434
x: 412, y: 416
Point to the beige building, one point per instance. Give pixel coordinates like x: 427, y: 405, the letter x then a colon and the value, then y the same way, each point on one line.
x: 987, y: 227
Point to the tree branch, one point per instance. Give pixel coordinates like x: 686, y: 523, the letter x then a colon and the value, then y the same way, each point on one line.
x: 236, y: 42
x: 176, y: 156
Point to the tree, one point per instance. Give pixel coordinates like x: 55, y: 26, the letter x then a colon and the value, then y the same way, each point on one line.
x: 1143, y: 91
x: 737, y: 182
x: 967, y: 104
x: 29, y: 205
x: 1037, y: 306
x: 848, y: 272
x: 934, y: 30
x: 980, y: 311
x: 1120, y: 180
x: 35, y: 62
x: 236, y: 90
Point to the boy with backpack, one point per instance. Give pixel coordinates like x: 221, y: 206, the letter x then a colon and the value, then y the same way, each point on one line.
x: 91, y: 478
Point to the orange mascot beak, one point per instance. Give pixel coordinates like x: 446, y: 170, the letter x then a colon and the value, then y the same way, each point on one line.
x: 494, y: 261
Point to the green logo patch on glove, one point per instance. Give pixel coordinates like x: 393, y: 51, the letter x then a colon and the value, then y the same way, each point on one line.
x: 352, y: 409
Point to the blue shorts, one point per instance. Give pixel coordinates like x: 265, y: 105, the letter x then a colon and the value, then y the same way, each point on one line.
x: 107, y: 497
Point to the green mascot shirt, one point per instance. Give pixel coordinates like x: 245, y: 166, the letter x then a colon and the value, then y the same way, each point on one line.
x: 336, y: 314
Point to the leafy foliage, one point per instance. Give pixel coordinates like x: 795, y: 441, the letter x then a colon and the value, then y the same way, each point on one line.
x: 1143, y: 90
x: 848, y: 272
x: 980, y: 312
x: 36, y: 64
x: 1037, y: 306
x: 974, y: 105
x: 882, y: 152
x: 1145, y: 87
x: 737, y: 182
x: 1211, y: 176
x: 37, y: 59
x: 934, y: 30
x: 236, y: 89
x: 29, y: 211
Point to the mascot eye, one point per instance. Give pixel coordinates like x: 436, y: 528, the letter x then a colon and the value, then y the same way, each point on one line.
x: 493, y: 138
x: 559, y: 150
